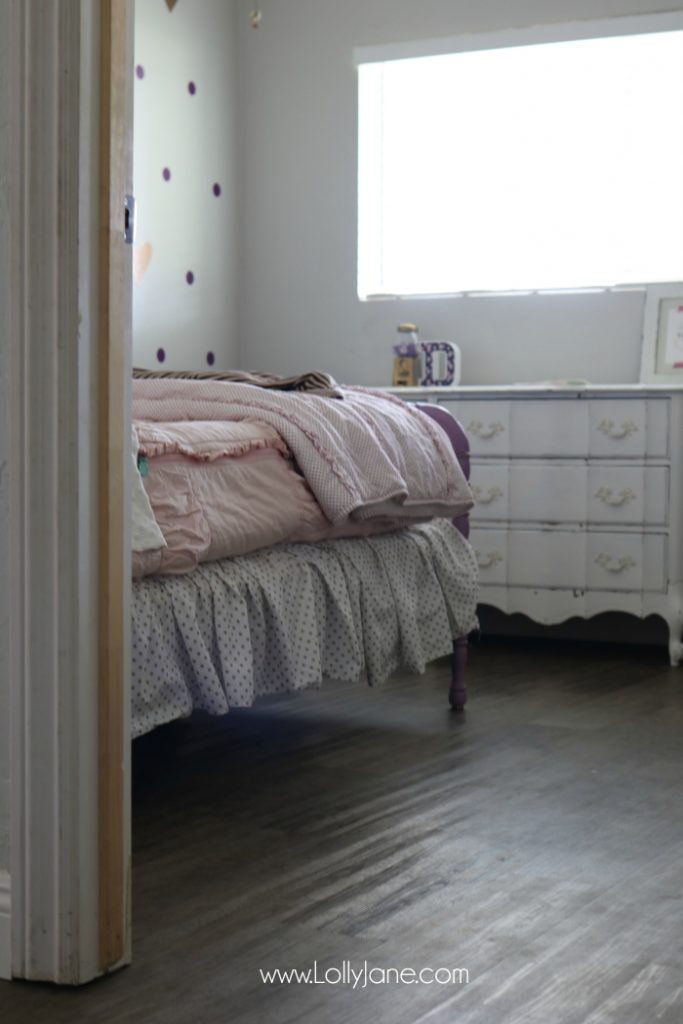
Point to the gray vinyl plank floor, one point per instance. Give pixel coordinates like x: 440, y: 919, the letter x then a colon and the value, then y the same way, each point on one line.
x: 536, y: 842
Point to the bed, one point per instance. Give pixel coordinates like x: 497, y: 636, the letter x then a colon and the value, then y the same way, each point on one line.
x: 292, y: 533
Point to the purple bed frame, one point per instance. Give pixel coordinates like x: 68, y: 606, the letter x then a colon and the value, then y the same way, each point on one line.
x: 457, y: 695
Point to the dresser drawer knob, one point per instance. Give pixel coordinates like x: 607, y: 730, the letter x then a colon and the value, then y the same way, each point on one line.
x: 486, y: 495
x: 609, y: 564
x: 488, y: 560
x: 610, y: 429
x: 608, y: 497
x: 477, y: 428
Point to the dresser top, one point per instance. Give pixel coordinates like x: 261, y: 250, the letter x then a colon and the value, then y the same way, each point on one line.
x: 541, y: 390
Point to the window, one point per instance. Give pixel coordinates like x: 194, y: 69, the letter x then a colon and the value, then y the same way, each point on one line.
x: 549, y: 165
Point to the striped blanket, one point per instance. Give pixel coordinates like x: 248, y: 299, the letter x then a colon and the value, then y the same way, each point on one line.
x: 315, y: 381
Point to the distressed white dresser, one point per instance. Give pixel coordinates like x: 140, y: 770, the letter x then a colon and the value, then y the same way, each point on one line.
x: 579, y: 498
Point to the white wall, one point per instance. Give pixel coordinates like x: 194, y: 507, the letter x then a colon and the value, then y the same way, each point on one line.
x: 298, y: 303
x: 182, y: 225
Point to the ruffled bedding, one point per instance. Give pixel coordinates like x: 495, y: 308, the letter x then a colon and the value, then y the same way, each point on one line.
x: 367, y: 456
x: 222, y: 489
x: 285, y: 618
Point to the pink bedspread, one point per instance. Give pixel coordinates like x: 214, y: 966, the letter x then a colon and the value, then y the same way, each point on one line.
x: 368, y: 456
x: 221, y: 489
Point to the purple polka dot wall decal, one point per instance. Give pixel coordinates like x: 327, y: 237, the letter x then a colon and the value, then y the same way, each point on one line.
x: 189, y: 277
x: 166, y: 174
x: 216, y: 189
x: 191, y: 88
x: 140, y: 71
x: 210, y: 358
x: 161, y: 355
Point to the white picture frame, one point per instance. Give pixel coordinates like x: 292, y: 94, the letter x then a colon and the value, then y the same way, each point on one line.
x: 662, y: 350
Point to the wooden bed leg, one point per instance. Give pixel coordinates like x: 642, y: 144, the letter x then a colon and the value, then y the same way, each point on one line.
x: 457, y: 695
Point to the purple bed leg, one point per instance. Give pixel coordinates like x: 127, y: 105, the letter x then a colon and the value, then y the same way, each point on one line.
x: 457, y: 694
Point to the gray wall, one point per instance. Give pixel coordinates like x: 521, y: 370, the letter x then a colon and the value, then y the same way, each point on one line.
x: 5, y: 115
x: 298, y: 303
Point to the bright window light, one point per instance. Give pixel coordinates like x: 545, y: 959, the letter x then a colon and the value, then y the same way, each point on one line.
x: 546, y: 166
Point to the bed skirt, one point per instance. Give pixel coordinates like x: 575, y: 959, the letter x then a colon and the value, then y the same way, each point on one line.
x: 284, y: 618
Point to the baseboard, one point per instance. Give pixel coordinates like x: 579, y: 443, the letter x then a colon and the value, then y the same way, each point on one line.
x: 5, y: 934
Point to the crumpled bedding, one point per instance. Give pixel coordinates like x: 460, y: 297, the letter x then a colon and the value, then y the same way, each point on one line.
x: 218, y: 490
x: 316, y: 381
x: 370, y: 455
x: 284, y: 618
x: 222, y: 489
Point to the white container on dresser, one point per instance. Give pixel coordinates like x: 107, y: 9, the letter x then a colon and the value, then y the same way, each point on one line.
x: 578, y: 498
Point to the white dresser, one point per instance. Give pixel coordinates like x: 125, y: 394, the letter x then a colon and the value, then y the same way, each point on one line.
x: 579, y: 498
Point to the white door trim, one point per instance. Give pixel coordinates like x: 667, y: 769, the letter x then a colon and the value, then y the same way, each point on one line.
x: 5, y: 929
x: 50, y: 178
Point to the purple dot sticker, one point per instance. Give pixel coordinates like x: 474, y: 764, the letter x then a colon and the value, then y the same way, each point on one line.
x: 191, y: 88
x: 189, y: 277
x: 166, y: 174
x: 216, y: 189
x: 140, y: 71
x: 161, y: 355
x: 210, y: 358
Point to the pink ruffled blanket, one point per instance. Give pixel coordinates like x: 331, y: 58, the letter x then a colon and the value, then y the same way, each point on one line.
x: 370, y: 455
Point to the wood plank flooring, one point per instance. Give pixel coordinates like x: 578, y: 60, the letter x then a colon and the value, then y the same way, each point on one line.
x: 536, y: 841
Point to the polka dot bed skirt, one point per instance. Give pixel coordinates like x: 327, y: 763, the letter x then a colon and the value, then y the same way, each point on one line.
x: 285, y: 618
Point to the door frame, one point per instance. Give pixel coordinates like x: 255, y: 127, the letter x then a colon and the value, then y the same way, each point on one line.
x: 113, y: 454
x: 65, y: 905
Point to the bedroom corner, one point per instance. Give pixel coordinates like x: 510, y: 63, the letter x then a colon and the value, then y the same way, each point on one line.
x: 328, y: 699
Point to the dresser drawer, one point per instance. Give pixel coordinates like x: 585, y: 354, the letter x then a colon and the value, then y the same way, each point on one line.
x: 490, y: 484
x: 626, y: 561
x: 490, y: 550
x: 487, y: 425
x: 570, y: 560
x: 631, y: 495
x: 565, y: 427
x: 569, y: 492
x: 621, y: 428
